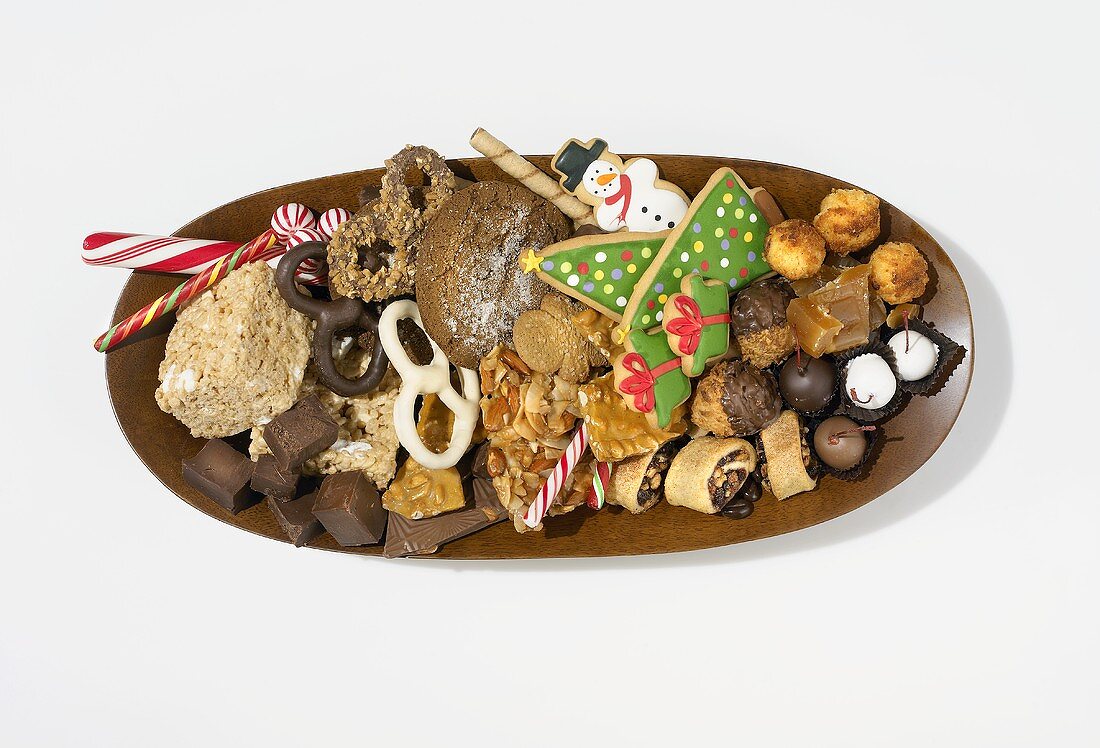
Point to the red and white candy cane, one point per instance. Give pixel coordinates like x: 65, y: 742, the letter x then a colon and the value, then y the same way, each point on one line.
x: 549, y: 491
x: 158, y: 254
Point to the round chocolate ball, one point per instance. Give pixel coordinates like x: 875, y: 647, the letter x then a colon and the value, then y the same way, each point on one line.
x: 840, y: 443
x: 809, y: 387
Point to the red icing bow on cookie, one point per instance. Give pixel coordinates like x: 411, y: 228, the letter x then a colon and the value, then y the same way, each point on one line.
x: 690, y: 326
x: 642, y: 379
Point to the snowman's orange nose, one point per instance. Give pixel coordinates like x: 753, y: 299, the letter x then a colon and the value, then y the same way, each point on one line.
x: 604, y: 179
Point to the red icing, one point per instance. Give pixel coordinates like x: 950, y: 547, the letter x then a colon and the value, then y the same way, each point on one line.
x: 744, y: 272
x: 583, y: 268
x: 704, y: 265
x: 733, y: 231
x: 649, y: 304
x: 627, y: 255
x: 642, y: 379
x: 729, y: 183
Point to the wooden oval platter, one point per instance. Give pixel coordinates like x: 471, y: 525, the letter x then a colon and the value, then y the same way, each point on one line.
x: 912, y: 436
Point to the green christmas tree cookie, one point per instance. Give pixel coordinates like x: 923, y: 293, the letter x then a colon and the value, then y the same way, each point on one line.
x: 697, y: 322
x: 649, y: 377
x: 721, y: 238
x: 598, y: 269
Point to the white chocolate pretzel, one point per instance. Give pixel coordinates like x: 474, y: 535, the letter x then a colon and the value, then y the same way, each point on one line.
x: 435, y: 378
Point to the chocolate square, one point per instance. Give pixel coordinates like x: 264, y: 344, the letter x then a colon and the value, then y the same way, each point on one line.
x: 417, y: 537
x: 350, y: 508
x: 300, y: 433
x: 297, y: 519
x: 274, y: 481
x: 221, y: 473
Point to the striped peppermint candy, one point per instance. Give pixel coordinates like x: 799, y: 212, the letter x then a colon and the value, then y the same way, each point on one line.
x: 289, y: 218
x: 157, y: 254
x: 331, y: 219
x: 301, y: 236
x: 310, y: 272
x: 549, y: 491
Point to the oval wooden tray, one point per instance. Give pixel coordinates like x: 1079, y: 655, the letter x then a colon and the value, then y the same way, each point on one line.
x: 911, y: 437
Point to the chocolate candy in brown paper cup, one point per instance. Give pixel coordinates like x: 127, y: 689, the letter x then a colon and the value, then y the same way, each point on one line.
x: 867, y: 370
x: 850, y: 437
x: 808, y: 385
x: 948, y: 354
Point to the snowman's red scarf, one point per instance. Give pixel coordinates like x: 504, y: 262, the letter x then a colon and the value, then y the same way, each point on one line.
x: 623, y: 194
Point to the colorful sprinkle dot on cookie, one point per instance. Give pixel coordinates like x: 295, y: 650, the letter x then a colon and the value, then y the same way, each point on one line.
x: 621, y: 301
x: 752, y: 256
x: 566, y: 267
x: 598, y: 275
x: 727, y: 198
x: 725, y: 244
x: 583, y: 268
x: 704, y: 266
x: 645, y: 319
x: 601, y: 257
x: 660, y: 315
x: 589, y: 287
x: 662, y: 298
x: 698, y: 246
x: 573, y: 280
x: 748, y: 236
x: 743, y: 272
x: 547, y: 265
x: 608, y: 288
x: 696, y: 228
x: 677, y: 272
x: 659, y: 287
x: 742, y: 200
x: 729, y: 183
x: 650, y: 304
x: 616, y: 274
x: 733, y: 231
x: 646, y: 253
x: 720, y: 212
x: 684, y: 257
x: 718, y: 233
x: 752, y: 218
x: 725, y: 262
x: 739, y: 213
x: 627, y: 255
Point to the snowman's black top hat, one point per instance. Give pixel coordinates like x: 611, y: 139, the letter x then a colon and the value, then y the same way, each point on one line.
x: 574, y: 159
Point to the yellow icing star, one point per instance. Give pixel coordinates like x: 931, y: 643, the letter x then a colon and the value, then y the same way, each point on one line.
x: 620, y: 334
x: 531, y: 262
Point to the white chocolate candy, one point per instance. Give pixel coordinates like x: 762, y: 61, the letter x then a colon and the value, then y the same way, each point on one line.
x: 871, y: 379
x: 434, y: 378
x: 918, y: 360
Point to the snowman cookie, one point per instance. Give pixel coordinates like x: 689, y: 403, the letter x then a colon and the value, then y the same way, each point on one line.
x: 629, y: 195
x: 649, y: 377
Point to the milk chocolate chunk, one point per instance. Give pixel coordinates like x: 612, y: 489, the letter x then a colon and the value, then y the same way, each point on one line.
x: 222, y: 474
x: 297, y: 519
x: 350, y: 508
x: 300, y: 433
x: 415, y: 537
x: 273, y: 480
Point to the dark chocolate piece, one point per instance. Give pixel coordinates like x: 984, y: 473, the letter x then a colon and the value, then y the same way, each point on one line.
x: 332, y: 317
x: 407, y: 537
x: 222, y: 474
x: 808, y: 384
x: 743, y: 502
x: 760, y: 307
x: 274, y: 481
x: 300, y: 433
x: 297, y: 519
x: 350, y: 508
x: 750, y: 398
x: 480, y: 467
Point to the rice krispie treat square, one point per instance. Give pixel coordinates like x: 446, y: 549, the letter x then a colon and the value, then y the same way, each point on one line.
x: 367, y: 438
x: 236, y: 356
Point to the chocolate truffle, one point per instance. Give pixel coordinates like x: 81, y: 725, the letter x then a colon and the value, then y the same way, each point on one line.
x: 758, y: 319
x: 794, y: 249
x: 470, y: 285
x: 840, y: 442
x: 807, y: 384
x: 869, y: 382
x: 736, y: 399
x: 915, y: 354
x: 848, y: 219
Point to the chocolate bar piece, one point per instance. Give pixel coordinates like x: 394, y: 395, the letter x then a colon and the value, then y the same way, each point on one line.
x: 416, y: 537
x: 221, y: 473
x: 300, y: 433
x: 350, y: 508
x: 273, y: 481
x: 297, y: 519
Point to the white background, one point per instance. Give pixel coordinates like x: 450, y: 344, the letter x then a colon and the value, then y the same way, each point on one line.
x: 960, y: 609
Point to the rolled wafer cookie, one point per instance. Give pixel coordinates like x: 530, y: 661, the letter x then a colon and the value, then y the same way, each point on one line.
x: 637, y: 483
x: 708, y: 472
x: 530, y: 176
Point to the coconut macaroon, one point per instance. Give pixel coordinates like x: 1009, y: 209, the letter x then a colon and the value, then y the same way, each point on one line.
x: 899, y: 272
x: 848, y: 219
x: 794, y: 249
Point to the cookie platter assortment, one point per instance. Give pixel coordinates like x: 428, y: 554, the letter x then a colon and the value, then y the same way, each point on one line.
x: 449, y: 355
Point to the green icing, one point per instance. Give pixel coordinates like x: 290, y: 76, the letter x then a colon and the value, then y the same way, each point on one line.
x: 714, y: 340
x: 627, y: 259
x: 727, y: 207
x: 671, y: 387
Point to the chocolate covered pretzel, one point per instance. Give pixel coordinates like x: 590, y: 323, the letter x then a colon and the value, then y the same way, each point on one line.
x: 332, y: 317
